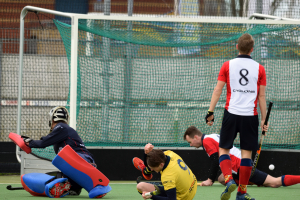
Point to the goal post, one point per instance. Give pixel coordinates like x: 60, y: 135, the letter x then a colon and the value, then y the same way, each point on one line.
x: 145, y: 91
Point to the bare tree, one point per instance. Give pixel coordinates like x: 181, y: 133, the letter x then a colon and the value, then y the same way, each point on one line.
x: 274, y: 6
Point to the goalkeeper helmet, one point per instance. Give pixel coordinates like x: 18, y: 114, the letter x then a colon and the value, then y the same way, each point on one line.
x: 59, y: 113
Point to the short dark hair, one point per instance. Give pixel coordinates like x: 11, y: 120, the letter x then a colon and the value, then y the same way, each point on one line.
x: 245, y: 43
x: 155, y: 157
x: 191, y: 132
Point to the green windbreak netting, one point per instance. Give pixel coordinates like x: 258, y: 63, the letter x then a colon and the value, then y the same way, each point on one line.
x: 142, y: 82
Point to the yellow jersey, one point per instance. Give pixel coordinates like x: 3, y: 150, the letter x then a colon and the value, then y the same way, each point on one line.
x: 176, y: 174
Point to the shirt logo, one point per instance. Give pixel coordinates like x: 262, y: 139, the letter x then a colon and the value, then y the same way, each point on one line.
x: 243, y: 91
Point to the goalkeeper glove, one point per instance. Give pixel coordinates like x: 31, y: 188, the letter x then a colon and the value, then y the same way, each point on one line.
x: 25, y: 138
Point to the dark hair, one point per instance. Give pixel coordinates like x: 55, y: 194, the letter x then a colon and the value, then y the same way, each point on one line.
x: 191, y: 132
x: 245, y: 43
x: 155, y: 157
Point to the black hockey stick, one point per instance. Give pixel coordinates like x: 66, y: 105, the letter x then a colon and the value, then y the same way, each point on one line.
x: 261, y: 140
x: 139, y: 179
x: 9, y: 187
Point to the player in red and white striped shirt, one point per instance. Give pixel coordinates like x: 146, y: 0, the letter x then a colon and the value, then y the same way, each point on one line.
x: 245, y: 80
x: 210, y: 144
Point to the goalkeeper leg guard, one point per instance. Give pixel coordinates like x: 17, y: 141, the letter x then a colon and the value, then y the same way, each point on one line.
x: 38, y: 184
x: 82, y: 172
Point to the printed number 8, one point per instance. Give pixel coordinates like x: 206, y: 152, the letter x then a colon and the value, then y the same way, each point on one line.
x: 185, y: 167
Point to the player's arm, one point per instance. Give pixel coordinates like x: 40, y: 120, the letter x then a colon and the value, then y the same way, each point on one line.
x: 148, y: 147
x: 57, y: 135
x: 262, y: 104
x: 222, y: 78
x: 216, y: 95
x: 214, y: 100
x: 211, y: 148
x: 171, y: 195
x: 262, y: 82
x: 213, y: 170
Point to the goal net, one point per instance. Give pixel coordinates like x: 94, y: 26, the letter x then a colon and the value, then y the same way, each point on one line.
x: 141, y: 81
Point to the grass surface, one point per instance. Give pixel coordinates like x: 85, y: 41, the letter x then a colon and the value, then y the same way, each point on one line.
x: 126, y: 190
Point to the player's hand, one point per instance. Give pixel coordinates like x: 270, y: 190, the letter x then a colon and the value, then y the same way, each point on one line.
x: 209, y: 118
x: 149, y: 147
x: 264, y: 127
x: 26, y: 139
x: 146, y: 197
x: 208, y: 182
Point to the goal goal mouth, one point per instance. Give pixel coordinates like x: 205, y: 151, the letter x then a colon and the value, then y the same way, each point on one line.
x: 133, y: 80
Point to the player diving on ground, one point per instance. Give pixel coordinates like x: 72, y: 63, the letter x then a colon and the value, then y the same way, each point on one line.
x: 210, y: 144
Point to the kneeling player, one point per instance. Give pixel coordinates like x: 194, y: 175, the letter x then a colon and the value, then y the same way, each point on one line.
x: 210, y: 144
x: 177, y: 179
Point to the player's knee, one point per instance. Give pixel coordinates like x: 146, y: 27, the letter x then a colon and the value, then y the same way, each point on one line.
x: 272, y: 182
x: 140, y: 187
x: 275, y: 185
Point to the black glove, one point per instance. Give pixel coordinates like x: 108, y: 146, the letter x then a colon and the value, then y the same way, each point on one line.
x: 25, y: 138
x: 209, y: 113
x: 147, y: 171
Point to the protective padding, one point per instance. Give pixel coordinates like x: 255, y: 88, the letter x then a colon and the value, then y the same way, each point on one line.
x: 52, y: 183
x: 79, y: 170
x: 34, y: 183
x: 20, y: 142
x: 99, y: 190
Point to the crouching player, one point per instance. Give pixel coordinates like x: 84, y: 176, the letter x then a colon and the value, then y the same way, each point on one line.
x: 74, y: 161
x: 210, y: 144
x: 177, y: 179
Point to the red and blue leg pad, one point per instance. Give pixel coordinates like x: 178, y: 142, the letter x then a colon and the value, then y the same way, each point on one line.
x: 82, y: 172
x: 38, y: 184
x: 35, y: 183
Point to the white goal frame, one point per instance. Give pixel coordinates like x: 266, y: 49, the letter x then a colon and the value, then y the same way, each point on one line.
x: 74, y: 44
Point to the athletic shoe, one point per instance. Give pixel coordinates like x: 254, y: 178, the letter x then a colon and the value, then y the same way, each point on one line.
x: 75, y: 192
x: 60, y: 189
x: 230, y: 187
x: 139, y: 164
x: 246, y: 196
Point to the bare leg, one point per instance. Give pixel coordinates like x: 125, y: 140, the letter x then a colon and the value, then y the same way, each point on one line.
x: 223, y: 151
x: 221, y: 179
x: 272, y: 182
x: 145, y: 187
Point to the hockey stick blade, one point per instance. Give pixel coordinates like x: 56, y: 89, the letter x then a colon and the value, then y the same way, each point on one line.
x: 9, y: 187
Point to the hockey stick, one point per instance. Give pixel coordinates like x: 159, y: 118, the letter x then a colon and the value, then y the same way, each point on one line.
x: 139, y: 179
x: 155, y: 192
x: 155, y: 183
x: 261, y: 140
x: 9, y: 187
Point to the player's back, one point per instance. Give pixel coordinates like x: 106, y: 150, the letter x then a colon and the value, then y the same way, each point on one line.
x: 243, y: 77
x: 178, y: 174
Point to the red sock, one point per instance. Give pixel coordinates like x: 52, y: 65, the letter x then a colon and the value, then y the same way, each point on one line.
x: 225, y: 165
x: 245, y: 172
x: 288, y: 180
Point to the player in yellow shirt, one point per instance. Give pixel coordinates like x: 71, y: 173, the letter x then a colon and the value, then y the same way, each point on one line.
x: 179, y: 182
